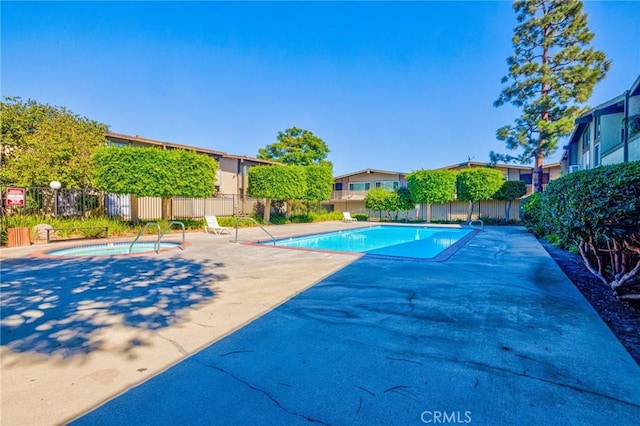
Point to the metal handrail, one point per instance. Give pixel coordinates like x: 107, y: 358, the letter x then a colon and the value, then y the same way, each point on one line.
x: 142, y: 231
x: 238, y: 219
x: 174, y: 222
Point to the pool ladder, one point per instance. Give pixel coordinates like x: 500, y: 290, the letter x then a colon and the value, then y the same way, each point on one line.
x: 161, y: 234
x: 238, y: 219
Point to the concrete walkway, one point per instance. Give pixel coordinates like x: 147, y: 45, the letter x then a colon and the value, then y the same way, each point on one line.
x: 495, y: 335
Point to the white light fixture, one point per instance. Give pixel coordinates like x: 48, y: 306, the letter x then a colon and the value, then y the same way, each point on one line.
x: 55, y: 185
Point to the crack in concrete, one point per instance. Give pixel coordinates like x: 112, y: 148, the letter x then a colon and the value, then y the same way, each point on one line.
x: 235, y: 352
x: 541, y: 379
x: 174, y: 343
x: 412, y: 295
x: 405, y: 360
x: 203, y: 325
x: 265, y: 393
x: 366, y: 390
x: 402, y: 390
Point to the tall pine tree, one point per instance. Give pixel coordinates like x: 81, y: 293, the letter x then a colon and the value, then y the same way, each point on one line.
x: 553, y: 70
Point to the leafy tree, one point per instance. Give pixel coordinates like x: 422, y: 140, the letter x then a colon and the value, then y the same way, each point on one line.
x: 477, y: 184
x: 509, y: 191
x: 319, y: 182
x: 388, y: 201
x: 432, y: 186
x: 42, y: 143
x: 296, y: 147
x: 381, y: 200
x: 405, y: 202
x: 553, y: 70
x: 277, y: 183
x: 150, y: 172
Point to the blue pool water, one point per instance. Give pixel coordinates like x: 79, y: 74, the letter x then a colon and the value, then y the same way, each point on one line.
x: 418, y: 242
x: 111, y: 249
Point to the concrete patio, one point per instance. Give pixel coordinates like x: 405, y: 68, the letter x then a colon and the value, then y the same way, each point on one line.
x: 495, y: 335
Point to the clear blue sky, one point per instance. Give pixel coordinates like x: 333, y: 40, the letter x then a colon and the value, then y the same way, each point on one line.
x: 393, y: 86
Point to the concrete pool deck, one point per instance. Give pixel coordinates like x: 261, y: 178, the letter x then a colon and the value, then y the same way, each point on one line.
x: 497, y: 333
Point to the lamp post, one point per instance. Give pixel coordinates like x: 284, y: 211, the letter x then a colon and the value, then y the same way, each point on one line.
x: 55, y: 185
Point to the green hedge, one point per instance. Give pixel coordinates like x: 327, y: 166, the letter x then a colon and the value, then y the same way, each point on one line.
x: 598, y: 211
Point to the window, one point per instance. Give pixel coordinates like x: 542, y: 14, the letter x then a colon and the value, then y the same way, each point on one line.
x: 359, y: 186
x: 586, y: 164
x: 586, y: 137
x: 597, y: 127
x: 337, y: 186
x: 596, y: 155
x: 526, y: 178
x: 388, y: 184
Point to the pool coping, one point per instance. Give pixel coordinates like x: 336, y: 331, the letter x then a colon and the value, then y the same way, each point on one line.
x: 443, y: 256
x: 44, y: 254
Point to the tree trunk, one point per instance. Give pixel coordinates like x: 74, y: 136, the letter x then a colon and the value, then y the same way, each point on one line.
x: 287, y: 213
x: 134, y: 209
x: 508, y: 211
x: 537, y: 173
x: 542, y: 141
x: 470, y: 211
x: 267, y: 210
x: 166, y: 209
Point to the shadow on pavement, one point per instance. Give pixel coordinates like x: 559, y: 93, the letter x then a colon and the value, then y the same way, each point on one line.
x: 55, y: 307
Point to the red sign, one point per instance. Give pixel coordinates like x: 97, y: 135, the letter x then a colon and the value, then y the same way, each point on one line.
x: 15, y: 197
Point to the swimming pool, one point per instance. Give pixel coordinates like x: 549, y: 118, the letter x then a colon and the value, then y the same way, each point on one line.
x: 415, y: 242
x: 111, y: 249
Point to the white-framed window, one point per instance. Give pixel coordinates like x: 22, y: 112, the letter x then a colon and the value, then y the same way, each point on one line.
x: 388, y: 184
x: 359, y: 186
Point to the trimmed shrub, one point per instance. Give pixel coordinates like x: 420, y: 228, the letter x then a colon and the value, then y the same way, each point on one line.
x: 599, y: 211
x: 432, y: 186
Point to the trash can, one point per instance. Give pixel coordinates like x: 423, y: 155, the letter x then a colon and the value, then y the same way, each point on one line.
x: 19, y: 237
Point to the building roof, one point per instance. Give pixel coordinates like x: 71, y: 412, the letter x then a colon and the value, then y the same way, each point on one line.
x: 635, y: 87
x: 501, y: 166
x: 145, y: 141
x: 369, y: 171
x: 611, y: 106
x: 452, y: 166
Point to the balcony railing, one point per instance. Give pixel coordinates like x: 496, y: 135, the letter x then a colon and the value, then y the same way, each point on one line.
x: 348, y: 195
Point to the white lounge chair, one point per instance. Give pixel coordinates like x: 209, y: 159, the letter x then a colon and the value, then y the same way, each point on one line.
x: 213, y: 226
x: 347, y: 217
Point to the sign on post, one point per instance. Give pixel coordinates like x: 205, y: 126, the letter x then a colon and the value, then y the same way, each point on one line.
x: 15, y: 197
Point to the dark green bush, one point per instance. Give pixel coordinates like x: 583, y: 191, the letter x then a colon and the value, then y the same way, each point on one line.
x: 599, y: 211
x: 360, y: 217
x: 533, y: 215
x: 301, y: 218
x: 278, y: 220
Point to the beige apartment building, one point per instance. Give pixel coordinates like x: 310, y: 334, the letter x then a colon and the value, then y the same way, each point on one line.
x: 230, y: 188
x: 350, y: 190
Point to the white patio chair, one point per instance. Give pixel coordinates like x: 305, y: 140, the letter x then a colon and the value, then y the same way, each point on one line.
x: 213, y: 226
x: 347, y: 217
